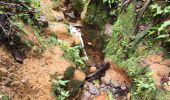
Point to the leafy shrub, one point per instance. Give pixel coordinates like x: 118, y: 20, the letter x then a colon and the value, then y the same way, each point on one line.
x: 58, y: 87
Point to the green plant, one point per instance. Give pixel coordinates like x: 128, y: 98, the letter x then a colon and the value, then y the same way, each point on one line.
x: 58, y: 87
x: 110, y: 2
x: 143, y: 86
x: 51, y: 41
x: 4, y: 97
x: 73, y: 54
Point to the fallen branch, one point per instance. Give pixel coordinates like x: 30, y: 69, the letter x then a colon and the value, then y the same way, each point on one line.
x: 99, y: 72
x: 9, y: 4
x: 141, y: 14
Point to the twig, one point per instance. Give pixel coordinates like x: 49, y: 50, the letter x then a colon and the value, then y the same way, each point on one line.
x: 9, y: 4
x: 4, y: 30
x: 141, y: 14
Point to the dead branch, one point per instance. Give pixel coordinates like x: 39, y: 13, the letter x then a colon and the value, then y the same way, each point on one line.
x: 141, y: 14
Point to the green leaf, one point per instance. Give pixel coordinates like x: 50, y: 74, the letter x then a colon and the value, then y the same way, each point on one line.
x: 3, y: 97
x: 110, y: 95
x: 162, y: 36
x: 96, y: 83
x: 164, y: 25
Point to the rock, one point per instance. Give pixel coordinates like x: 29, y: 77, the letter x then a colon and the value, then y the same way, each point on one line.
x: 42, y: 21
x: 91, y: 88
x: 105, y: 80
x: 92, y: 69
x: 18, y: 55
x: 59, y: 18
x: 116, y: 84
x: 85, y: 95
x: 90, y: 44
x: 79, y: 75
x: 101, y: 97
x: 70, y: 15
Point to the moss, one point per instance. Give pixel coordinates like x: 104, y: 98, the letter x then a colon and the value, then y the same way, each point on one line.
x: 97, y: 14
x: 78, y: 5
x: 74, y: 86
x: 143, y: 86
x: 69, y: 73
x: 122, y: 30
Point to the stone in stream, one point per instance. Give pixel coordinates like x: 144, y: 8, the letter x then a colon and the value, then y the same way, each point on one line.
x: 85, y: 95
x: 92, y: 69
x: 70, y: 15
x: 91, y: 88
x: 79, y: 75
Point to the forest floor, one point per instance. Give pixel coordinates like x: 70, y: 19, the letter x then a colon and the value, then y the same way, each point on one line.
x: 31, y: 80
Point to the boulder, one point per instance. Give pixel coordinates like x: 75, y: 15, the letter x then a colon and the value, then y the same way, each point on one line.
x: 79, y: 75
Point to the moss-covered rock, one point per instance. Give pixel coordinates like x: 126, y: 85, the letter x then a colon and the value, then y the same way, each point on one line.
x: 97, y: 14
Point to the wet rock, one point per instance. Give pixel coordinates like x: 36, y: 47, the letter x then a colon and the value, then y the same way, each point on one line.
x: 79, y: 75
x: 92, y: 69
x: 59, y: 18
x: 103, y: 88
x: 85, y: 95
x: 91, y: 88
x: 70, y: 15
x: 90, y: 44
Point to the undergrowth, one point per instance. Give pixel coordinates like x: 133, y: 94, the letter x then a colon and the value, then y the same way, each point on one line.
x: 73, y: 54
x: 58, y: 87
x: 143, y: 86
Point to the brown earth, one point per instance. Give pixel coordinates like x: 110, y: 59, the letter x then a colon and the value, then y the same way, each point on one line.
x: 159, y: 66
x: 32, y: 79
x: 115, y: 75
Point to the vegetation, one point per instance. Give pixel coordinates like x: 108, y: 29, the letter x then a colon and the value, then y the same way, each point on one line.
x: 124, y: 43
x: 73, y: 54
x: 136, y: 23
x: 58, y: 88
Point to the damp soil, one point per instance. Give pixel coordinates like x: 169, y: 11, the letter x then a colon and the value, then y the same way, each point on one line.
x: 93, y: 47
